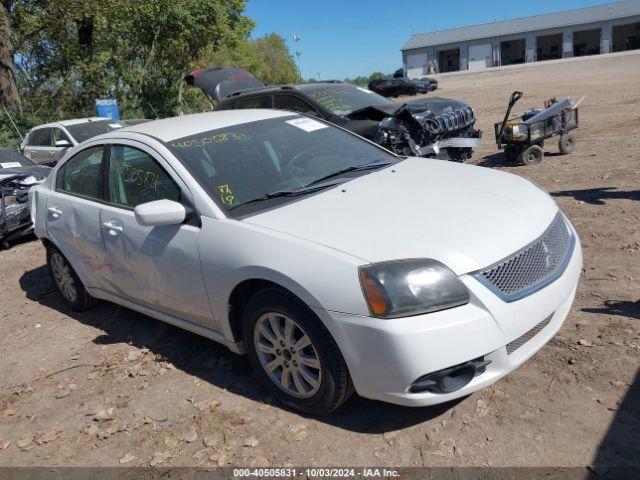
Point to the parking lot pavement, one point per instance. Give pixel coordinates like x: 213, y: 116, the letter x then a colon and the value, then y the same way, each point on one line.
x: 113, y: 387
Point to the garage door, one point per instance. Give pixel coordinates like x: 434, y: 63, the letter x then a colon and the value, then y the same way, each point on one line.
x: 480, y: 56
x: 416, y: 65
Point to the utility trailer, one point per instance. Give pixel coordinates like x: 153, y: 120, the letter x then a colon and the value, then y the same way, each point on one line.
x: 523, y: 137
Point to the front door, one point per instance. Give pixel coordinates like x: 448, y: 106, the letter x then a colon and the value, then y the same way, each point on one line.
x: 158, y: 266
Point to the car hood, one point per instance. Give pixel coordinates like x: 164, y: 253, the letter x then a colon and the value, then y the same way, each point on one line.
x: 434, y: 106
x: 40, y: 172
x: 465, y: 216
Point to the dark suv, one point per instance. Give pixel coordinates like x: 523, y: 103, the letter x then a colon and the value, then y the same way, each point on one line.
x: 433, y: 127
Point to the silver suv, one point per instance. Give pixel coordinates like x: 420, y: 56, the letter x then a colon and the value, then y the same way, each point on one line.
x: 46, y: 143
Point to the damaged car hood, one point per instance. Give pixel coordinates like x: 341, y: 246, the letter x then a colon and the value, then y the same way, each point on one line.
x: 401, y: 212
x: 39, y: 172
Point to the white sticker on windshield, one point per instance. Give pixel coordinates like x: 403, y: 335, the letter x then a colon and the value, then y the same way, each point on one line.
x: 115, y: 125
x: 306, y: 124
x: 10, y: 164
x: 364, y: 90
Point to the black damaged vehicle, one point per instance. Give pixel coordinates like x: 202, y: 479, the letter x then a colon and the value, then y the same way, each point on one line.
x: 427, y: 127
x: 395, y: 86
x: 17, y: 175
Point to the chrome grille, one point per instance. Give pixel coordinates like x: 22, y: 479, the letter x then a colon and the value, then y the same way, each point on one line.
x: 521, y: 340
x: 533, y: 267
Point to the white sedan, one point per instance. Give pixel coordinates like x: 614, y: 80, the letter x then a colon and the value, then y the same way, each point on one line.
x: 334, y: 264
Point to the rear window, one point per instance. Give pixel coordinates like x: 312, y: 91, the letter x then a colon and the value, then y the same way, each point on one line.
x: 255, y: 102
x: 343, y: 99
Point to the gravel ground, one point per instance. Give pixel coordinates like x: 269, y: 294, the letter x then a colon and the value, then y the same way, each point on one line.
x: 112, y: 387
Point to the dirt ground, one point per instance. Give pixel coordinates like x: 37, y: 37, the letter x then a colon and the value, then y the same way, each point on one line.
x: 112, y: 387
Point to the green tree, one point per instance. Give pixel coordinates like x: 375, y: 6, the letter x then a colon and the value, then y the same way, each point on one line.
x: 376, y: 76
x: 281, y: 67
x: 360, y: 81
x: 66, y: 54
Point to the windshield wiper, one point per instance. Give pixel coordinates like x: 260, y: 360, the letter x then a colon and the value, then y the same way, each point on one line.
x: 283, y: 193
x: 352, y: 168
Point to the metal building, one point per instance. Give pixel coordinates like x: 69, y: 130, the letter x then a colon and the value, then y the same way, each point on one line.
x: 613, y: 27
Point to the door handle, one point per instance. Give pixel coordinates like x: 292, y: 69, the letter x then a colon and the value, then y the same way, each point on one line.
x: 114, y: 227
x: 51, y: 154
x: 55, y: 212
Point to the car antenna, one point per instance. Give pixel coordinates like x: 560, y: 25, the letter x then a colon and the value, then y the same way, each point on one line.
x: 13, y: 123
x: 153, y: 110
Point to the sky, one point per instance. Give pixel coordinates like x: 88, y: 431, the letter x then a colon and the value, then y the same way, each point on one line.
x: 347, y: 38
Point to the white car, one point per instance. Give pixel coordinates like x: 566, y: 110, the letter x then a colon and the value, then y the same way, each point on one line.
x: 334, y: 264
x: 48, y: 143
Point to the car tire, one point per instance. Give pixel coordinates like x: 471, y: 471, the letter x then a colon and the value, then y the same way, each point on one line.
x: 314, y: 380
x: 566, y: 144
x: 512, y: 152
x: 531, y: 155
x: 67, y: 282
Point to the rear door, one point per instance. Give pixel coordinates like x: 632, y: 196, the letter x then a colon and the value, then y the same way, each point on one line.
x: 158, y: 267
x: 38, y: 145
x: 73, y: 215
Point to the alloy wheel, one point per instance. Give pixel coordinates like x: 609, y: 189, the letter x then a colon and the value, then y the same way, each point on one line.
x: 287, y: 355
x: 63, y: 277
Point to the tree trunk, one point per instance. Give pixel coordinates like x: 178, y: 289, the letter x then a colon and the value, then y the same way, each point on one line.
x: 9, y: 95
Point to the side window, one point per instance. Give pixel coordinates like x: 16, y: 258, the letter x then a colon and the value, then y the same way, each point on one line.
x: 135, y: 178
x: 58, y: 134
x: 255, y: 102
x: 82, y: 174
x: 40, y: 138
x: 294, y: 104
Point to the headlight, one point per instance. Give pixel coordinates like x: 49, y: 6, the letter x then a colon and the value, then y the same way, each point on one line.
x: 403, y: 288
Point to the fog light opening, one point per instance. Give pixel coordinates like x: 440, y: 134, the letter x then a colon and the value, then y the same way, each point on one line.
x: 450, y: 379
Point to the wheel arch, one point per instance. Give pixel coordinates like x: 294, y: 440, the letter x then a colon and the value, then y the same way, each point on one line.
x: 246, y: 288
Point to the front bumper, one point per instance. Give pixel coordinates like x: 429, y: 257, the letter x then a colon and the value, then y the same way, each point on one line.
x: 386, y: 356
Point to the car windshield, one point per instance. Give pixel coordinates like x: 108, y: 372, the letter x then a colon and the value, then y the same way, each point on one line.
x: 11, y: 159
x: 86, y: 130
x: 274, y: 160
x: 342, y: 99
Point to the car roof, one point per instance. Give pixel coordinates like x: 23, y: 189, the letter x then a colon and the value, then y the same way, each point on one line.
x: 172, y: 128
x: 75, y: 121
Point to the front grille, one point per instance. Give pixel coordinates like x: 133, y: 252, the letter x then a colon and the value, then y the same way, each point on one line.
x: 456, y: 119
x: 533, y: 267
x: 520, y: 341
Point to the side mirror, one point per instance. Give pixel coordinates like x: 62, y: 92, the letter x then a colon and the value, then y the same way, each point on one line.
x: 63, y: 143
x: 160, y: 212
